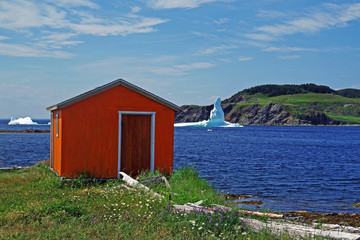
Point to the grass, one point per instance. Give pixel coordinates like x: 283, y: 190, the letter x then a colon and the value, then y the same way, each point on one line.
x: 35, y: 204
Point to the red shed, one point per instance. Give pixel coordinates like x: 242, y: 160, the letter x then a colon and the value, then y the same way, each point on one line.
x: 112, y: 128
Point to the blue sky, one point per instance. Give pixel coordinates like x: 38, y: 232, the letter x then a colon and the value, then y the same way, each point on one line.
x: 188, y: 52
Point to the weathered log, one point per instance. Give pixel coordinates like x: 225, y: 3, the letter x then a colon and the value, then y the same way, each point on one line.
x: 278, y: 228
x: 297, y: 231
x: 132, y: 182
x: 261, y: 214
x: 190, y: 207
x: 155, y: 181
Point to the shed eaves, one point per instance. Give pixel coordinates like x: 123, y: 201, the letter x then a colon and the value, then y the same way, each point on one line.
x: 118, y: 82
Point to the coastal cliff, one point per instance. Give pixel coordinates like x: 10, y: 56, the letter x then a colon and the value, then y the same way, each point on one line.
x: 306, y: 104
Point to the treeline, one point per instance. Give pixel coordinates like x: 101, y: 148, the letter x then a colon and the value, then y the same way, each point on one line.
x: 349, y: 93
x: 272, y: 90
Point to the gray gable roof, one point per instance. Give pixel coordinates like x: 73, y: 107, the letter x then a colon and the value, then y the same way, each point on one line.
x: 118, y: 82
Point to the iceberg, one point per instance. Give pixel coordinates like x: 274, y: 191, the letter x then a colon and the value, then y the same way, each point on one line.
x: 22, y: 121
x: 216, y: 119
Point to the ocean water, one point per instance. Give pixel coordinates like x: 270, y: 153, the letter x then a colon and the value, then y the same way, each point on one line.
x: 23, y: 149
x: 288, y: 168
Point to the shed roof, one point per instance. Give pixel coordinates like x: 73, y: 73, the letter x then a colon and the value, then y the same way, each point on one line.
x: 118, y: 82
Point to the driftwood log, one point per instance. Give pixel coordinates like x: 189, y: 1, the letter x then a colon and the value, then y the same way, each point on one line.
x: 297, y: 231
x: 133, y: 183
x: 189, y: 207
x: 277, y: 227
x: 261, y: 214
x: 155, y: 181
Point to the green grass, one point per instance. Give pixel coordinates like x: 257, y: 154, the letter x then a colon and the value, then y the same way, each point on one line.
x: 345, y: 110
x: 345, y: 119
x: 298, y: 99
x: 35, y: 204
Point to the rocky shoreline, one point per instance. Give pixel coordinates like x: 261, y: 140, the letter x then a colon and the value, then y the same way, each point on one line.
x: 268, y: 115
x: 25, y: 131
x: 342, y: 219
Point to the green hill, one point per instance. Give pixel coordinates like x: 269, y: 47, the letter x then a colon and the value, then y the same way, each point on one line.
x: 339, y: 108
x: 285, y: 105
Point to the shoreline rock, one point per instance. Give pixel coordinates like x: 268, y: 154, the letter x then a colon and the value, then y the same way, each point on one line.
x: 25, y: 131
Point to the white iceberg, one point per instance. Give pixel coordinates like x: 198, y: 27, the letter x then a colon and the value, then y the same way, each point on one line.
x: 216, y: 119
x: 22, y: 121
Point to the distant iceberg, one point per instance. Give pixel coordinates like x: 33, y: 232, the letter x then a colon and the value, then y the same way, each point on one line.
x: 22, y: 121
x: 216, y: 119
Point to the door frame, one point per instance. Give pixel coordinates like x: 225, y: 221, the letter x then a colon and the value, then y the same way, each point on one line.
x: 52, y: 140
x: 152, y: 144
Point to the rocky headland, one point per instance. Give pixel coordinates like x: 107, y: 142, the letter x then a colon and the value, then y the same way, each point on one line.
x: 275, y: 105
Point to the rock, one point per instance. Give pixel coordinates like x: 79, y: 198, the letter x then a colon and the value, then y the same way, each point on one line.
x: 235, y: 98
x: 344, y: 223
x: 316, y: 118
x: 25, y: 131
x: 189, y: 113
x: 269, y: 115
x: 251, y: 202
x: 356, y: 205
x: 235, y: 196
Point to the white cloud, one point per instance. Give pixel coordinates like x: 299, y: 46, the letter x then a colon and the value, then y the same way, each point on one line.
x: 166, y: 71
x: 196, y: 65
x: 135, y: 9
x: 57, y: 40
x: 221, y: 21
x: 270, y: 14
x: 14, y: 89
x: 244, y: 59
x: 289, y: 49
x: 331, y: 16
x: 3, y: 38
x: 162, y: 66
x: 168, y: 4
x: 260, y: 36
x: 143, y: 25
x: 289, y: 57
x: 54, y: 24
x: 25, y: 51
x: 74, y: 3
x: 18, y: 15
x: 216, y: 49
x: 24, y: 15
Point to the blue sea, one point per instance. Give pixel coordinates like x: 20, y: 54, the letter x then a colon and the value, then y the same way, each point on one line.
x: 314, y: 169
x: 24, y: 149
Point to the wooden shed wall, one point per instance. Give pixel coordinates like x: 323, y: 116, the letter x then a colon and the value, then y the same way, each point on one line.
x: 90, y: 132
